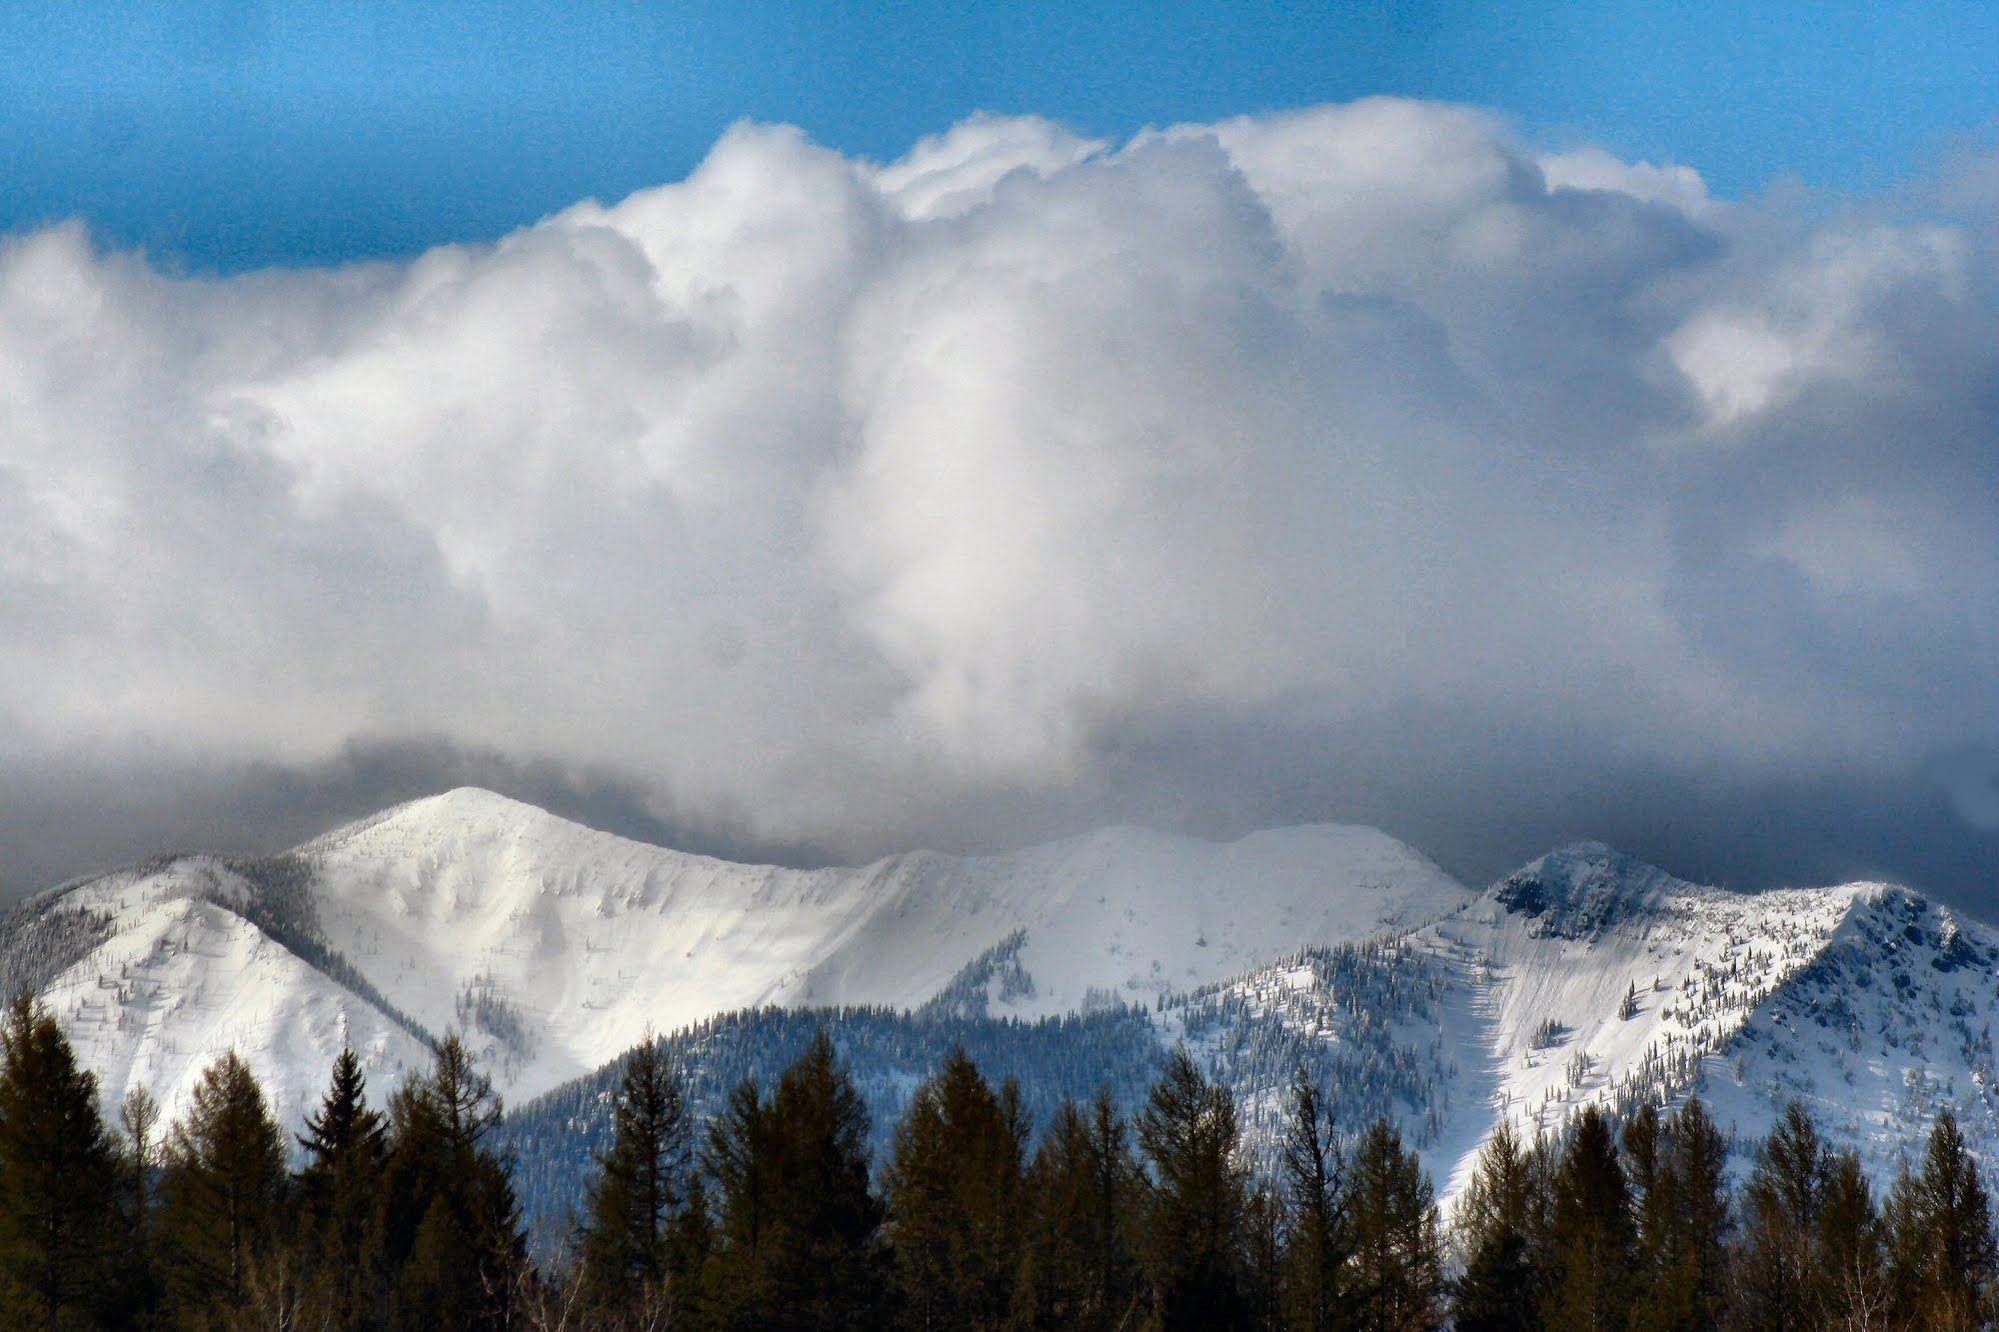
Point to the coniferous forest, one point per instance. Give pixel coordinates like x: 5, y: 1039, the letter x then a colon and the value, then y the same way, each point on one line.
x: 400, y: 1212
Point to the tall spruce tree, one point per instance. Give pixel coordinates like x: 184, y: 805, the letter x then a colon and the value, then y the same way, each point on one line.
x: 952, y: 1189
x: 222, y: 1192
x: 59, y: 1181
x: 1851, y: 1261
x: 1320, y: 1237
x: 1592, y: 1236
x: 338, y: 1186
x: 1266, y: 1285
x: 634, y: 1206
x: 797, y: 1240
x: 1397, y: 1264
x: 1947, y: 1253
x: 1195, y: 1214
x: 1082, y: 1191
x: 1683, y: 1282
x: 139, y: 1116
x: 450, y: 1227
x: 1776, y: 1277
x: 1496, y: 1290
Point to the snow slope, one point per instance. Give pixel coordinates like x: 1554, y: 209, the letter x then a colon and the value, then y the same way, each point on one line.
x: 182, y: 976
x: 1584, y: 977
x: 1589, y: 977
x: 555, y: 947
x: 560, y: 946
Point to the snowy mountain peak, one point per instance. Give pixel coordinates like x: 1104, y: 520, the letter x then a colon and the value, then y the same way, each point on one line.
x: 1581, y: 890
x: 553, y: 947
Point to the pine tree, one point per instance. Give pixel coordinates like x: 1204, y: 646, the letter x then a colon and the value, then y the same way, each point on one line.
x: 796, y: 1246
x: 1194, y: 1228
x: 1320, y: 1236
x: 1775, y: 1278
x: 1592, y: 1236
x: 952, y: 1189
x: 59, y: 1179
x: 1947, y: 1245
x: 1081, y: 1191
x: 1397, y: 1265
x: 1265, y: 1282
x: 346, y: 1150
x: 1496, y: 1292
x: 139, y: 1116
x: 634, y: 1205
x: 222, y: 1191
x: 450, y: 1226
x: 1686, y: 1227
x: 1851, y: 1264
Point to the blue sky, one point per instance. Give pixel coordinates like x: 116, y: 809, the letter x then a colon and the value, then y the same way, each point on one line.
x: 233, y: 135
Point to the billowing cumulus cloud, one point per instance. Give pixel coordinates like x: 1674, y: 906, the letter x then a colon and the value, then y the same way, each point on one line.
x: 1355, y: 462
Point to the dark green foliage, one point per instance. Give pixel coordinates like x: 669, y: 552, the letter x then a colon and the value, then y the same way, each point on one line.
x: 1776, y: 1279
x: 409, y: 1221
x: 346, y: 1149
x: 449, y: 1226
x: 1592, y: 1237
x: 1083, y: 1191
x: 222, y: 1195
x: 632, y: 1209
x: 1851, y: 1261
x: 952, y: 1189
x: 796, y: 1243
x: 1496, y: 1291
x: 60, y: 1227
x: 1396, y: 1276
x: 1683, y: 1225
x: 1945, y: 1255
x: 1195, y: 1216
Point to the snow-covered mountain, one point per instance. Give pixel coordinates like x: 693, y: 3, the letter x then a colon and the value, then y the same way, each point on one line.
x: 1587, y: 976
x: 1584, y: 976
x: 555, y: 947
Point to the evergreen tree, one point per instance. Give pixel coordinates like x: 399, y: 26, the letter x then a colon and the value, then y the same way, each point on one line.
x: 1496, y: 1292
x: 1851, y: 1265
x: 952, y: 1189
x: 1078, y: 1270
x: 59, y: 1180
x: 1194, y: 1227
x: 742, y: 1160
x: 1947, y: 1250
x: 1684, y: 1230
x: 1592, y: 1236
x: 449, y: 1226
x: 1320, y: 1236
x: 797, y: 1244
x: 222, y: 1192
x: 139, y: 1115
x: 1776, y: 1281
x: 346, y: 1149
x: 634, y: 1205
x: 1397, y: 1265
x: 1265, y: 1283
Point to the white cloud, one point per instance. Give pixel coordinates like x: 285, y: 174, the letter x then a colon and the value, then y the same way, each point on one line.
x: 817, y: 493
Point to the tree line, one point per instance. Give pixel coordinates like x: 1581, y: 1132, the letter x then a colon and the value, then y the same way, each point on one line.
x: 774, y: 1214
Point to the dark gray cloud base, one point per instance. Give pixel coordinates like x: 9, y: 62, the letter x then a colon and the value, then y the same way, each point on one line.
x: 1354, y: 463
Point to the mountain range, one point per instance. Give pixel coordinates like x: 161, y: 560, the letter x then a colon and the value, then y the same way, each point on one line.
x: 553, y: 948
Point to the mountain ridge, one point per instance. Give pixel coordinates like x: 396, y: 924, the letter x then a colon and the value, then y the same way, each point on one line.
x: 1584, y: 976
x: 554, y: 946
